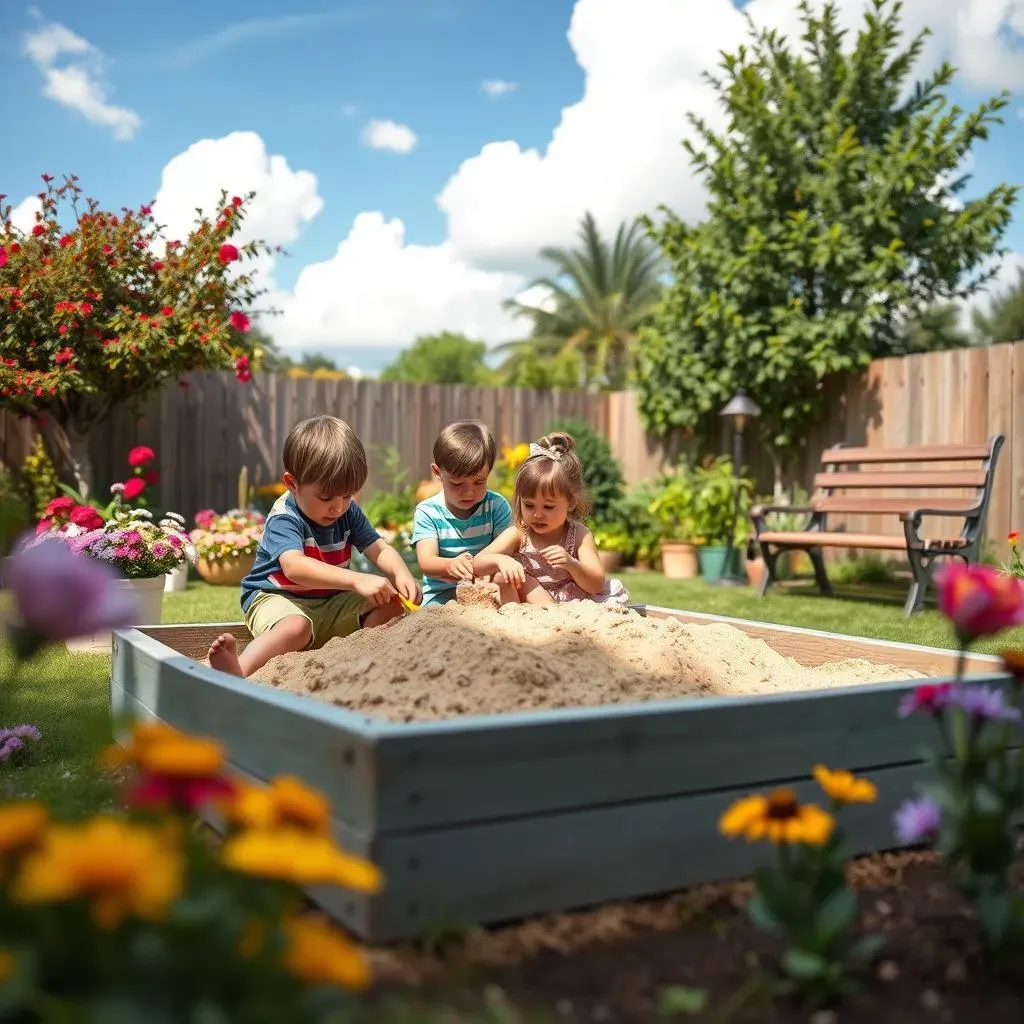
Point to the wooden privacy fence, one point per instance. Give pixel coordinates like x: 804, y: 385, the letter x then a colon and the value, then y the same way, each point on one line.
x: 205, y: 433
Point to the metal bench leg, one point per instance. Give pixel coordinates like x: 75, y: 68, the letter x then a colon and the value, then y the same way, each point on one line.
x: 820, y: 576
x: 768, y: 577
x: 921, y: 565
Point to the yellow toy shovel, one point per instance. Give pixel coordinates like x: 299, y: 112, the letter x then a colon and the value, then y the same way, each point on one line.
x: 409, y: 606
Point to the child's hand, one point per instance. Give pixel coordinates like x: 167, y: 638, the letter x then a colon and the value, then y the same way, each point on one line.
x: 557, y: 556
x: 407, y: 587
x: 461, y: 566
x: 510, y: 570
x: 377, y: 590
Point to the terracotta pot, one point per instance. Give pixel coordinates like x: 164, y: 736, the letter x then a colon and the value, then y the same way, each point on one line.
x: 150, y: 596
x: 679, y: 560
x: 225, y: 572
x: 611, y: 561
x: 755, y: 571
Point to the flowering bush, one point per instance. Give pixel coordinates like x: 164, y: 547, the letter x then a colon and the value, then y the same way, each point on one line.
x: 231, y: 535
x: 503, y: 477
x: 972, y: 807
x: 804, y: 902
x: 102, y: 309
x: 134, y: 545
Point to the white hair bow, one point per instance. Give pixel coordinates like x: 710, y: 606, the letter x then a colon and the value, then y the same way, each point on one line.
x: 551, y: 453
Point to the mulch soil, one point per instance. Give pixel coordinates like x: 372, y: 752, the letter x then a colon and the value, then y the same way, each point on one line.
x: 611, y: 963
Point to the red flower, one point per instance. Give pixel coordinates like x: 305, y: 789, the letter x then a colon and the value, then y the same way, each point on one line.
x: 1013, y: 536
x: 228, y: 253
x: 183, y: 792
x: 3, y: 256
x: 85, y: 308
x: 87, y: 517
x: 236, y: 200
x: 242, y: 371
x: 65, y: 355
x: 979, y: 600
x: 39, y: 230
x: 167, y: 310
x: 240, y: 322
x: 63, y: 329
x: 140, y: 456
x: 44, y: 526
x: 133, y: 487
x: 145, y: 211
x: 15, y: 248
x: 108, y: 249
x: 58, y: 507
x: 65, y: 241
x: 47, y: 178
x: 152, y: 477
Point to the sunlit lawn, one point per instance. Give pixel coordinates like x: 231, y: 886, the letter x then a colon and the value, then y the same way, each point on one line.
x: 66, y: 695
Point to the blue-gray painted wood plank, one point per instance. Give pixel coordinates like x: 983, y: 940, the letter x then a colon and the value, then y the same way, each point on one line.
x: 267, y: 732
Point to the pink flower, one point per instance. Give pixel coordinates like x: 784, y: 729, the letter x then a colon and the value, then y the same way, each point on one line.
x: 984, y: 704
x: 240, y: 322
x: 931, y: 697
x: 140, y: 455
x: 3, y: 256
x: 59, y: 506
x: 917, y: 820
x: 186, y: 794
x: 228, y: 253
x: 205, y: 518
x: 160, y: 550
x: 979, y: 600
x: 59, y: 596
x: 133, y: 488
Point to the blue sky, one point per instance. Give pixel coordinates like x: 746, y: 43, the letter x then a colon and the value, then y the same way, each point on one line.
x: 611, y: 93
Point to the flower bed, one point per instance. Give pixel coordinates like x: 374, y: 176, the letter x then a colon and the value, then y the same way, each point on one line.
x: 225, y: 545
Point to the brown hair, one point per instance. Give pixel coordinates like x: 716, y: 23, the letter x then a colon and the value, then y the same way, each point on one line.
x: 325, y: 450
x: 465, y: 448
x: 555, y: 472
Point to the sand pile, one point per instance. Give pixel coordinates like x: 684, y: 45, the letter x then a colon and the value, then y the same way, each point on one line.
x: 470, y: 660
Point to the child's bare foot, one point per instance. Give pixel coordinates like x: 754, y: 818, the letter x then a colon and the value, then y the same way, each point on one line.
x: 224, y: 655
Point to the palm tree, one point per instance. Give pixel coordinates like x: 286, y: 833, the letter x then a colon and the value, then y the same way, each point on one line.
x: 935, y: 328
x: 1004, y: 320
x: 598, y: 296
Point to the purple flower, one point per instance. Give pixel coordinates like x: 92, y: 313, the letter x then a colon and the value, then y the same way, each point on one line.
x: 59, y: 596
x: 929, y: 697
x: 917, y: 820
x: 984, y: 704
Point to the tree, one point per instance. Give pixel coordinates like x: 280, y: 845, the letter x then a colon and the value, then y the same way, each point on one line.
x: 446, y: 358
x: 597, y: 298
x: 524, y: 367
x: 1004, y: 320
x: 935, y: 328
x: 103, y: 310
x: 835, y: 208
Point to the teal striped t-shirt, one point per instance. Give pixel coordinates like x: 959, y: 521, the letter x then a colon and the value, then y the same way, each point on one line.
x: 454, y: 534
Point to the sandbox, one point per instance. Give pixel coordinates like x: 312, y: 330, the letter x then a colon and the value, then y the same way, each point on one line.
x: 483, y: 818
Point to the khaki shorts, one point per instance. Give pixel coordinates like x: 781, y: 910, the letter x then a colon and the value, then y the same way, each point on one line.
x: 339, y: 615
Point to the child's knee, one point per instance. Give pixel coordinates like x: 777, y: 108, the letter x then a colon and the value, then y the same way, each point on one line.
x: 294, y: 631
x: 385, y: 613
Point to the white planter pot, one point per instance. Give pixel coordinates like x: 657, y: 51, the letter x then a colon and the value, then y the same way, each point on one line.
x: 150, y: 596
x: 176, y: 580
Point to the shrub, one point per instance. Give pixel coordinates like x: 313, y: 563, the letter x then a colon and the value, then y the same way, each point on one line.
x: 601, y: 470
x: 41, y: 478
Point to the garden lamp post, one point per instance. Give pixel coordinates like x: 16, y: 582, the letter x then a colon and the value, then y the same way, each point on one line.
x: 738, y: 410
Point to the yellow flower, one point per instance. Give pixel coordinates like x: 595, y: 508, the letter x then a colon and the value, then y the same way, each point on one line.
x: 321, y: 955
x: 8, y: 964
x: 844, y: 787
x: 290, y: 855
x: 779, y: 818
x: 181, y: 756
x: 143, y: 735
x: 120, y: 868
x: 286, y: 801
x: 21, y: 825
x: 274, y: 490
x: 515, y: 455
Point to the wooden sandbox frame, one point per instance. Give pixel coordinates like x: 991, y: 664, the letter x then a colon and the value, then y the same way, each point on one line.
x: 486, y: 819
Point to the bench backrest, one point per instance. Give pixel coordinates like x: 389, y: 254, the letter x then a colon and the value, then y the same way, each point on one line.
x: 853, y: 480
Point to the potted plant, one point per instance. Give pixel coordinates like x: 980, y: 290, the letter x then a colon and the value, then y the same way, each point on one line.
x: 141, y: 550
x: 226, y: 544
x: 613, y: 544
x: 720, y: 526
x: 673, y: 508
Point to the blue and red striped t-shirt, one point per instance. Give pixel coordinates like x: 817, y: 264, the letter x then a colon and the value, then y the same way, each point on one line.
x: 287, y: 529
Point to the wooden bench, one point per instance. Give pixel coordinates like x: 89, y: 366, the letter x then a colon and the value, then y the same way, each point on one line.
x: 855, y: 481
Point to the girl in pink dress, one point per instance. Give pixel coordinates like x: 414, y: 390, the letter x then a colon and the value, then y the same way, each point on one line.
x: 548, y: 555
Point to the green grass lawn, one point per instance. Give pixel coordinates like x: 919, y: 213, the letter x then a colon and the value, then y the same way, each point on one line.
x: 65, y: 695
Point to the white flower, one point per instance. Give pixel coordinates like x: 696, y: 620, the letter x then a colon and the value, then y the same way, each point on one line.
x: 117, y: 489
x: 174, y: 518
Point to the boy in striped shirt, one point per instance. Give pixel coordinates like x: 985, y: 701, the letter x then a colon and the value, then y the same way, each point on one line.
x: 459, y: 522
x: 300, y: 592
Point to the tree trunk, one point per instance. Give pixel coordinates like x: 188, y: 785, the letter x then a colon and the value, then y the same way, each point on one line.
x: 73, y: 447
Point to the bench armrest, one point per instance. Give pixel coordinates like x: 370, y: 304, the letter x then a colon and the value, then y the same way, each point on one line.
x: 760, y: 511
x: 920, y: 513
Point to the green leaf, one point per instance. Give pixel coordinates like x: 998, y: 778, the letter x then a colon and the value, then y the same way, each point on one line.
x: 800, y: 964
x: 996, y: 910
x: 676, y: 999
x: 761, y: 916
x: 866, y: 948
x: 836, y: 915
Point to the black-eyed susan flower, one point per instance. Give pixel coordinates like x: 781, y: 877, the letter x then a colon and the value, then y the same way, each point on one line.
x: 319, y: 954
x: 843, y: 787
x: 119, y: 868
x: 21, y: 825
x: 291, y: 855
x: 286, y: 801
x: 778, y: 817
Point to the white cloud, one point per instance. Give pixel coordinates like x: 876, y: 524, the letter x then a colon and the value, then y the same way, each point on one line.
x: 377, y: 290
x: 643, y: 65
x: 399, y: 138
x: 23, y: 216
x: 498, y: 87
x: 79, y: 84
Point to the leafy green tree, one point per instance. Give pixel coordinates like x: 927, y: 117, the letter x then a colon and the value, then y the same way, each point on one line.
x: 524, y: 367
x: 835, y: 206
x: 1004, y: 319
x: 935, y: 328
x: 446, y: 358
x: 600, y: 294
x: 100, y: 310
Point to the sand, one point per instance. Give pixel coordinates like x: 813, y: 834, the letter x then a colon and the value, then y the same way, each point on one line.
x: 475, y: 660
